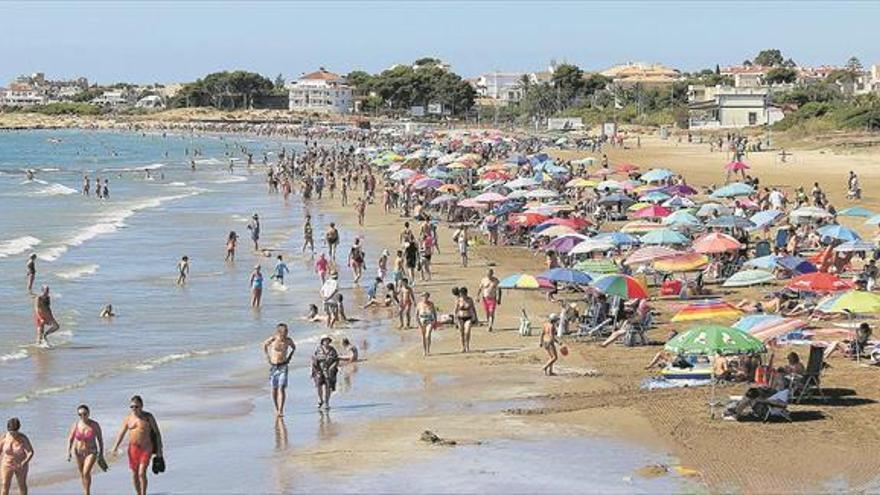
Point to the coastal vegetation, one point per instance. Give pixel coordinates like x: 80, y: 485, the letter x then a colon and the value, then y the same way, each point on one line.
x: 225, y: 90
x: 60, y: 108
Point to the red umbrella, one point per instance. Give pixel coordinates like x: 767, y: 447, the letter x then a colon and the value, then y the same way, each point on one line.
x: 495, y: 175
x: 716, y: 242
x: 626, y: 168
x: 525, y: 219
x: 577, y: 223
x: 736, y: 166
x: 653, y: 211
x: 819, y: 282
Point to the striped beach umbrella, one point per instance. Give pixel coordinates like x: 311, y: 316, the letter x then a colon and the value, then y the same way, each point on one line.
x: 597, y: 266
x: 649, y: 254
x: 524, y: 281
x: 684, y: 262
x: 556, y: 231
x: 624, y: 286
x: 708, y: 309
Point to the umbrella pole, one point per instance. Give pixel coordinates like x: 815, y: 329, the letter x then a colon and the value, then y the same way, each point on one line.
x: 712, y: 398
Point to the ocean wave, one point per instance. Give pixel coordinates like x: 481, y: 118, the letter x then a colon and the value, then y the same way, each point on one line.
x: 230, y: 179
x: 17, y: 245
x: 77, y: 272
x: 177, y: 184
x: 14, y: 356
x: 179, y: 356
x: 33, y: 181
x: 109, y: 223
x: 139, y: 168
x: 52, y: 190
x: 209, y: 161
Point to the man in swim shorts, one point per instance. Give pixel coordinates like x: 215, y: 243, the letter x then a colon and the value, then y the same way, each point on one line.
x: 279, y: 349
x: 490, y: 294
x: 144, y: 440
x: 43, y: 317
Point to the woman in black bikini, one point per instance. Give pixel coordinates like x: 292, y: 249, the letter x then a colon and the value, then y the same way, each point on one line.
x: 464, y: 312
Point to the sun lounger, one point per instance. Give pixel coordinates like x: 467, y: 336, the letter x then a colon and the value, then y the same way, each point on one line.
x: 808, y: 385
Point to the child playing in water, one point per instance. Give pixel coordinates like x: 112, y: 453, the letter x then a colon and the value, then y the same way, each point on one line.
x: 280, y: 270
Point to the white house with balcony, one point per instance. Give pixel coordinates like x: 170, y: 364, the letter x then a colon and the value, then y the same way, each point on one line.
x: 23, y: 97
x: 505, y: 87
x: 320, y: 91
x: 724, y: 107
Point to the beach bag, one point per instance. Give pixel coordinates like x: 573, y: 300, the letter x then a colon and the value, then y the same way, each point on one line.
x: 158, y: 465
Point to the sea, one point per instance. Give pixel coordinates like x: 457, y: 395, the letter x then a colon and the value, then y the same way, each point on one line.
x: 193, y: 352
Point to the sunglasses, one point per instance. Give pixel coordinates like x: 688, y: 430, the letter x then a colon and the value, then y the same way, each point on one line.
x: 135, y: 407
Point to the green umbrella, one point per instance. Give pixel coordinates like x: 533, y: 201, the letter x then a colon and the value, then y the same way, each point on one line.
x: 711, y: 339
x: 600, y: 266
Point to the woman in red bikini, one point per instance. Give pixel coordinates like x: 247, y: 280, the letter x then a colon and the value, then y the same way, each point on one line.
x: 86, y: 443
x: 144, y: 440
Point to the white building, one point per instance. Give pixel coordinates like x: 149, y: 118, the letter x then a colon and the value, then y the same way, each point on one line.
x: 502, y: 86
x: 22, y: 97
x: 722, y: 107
x: 320, y: 91
x: 113, y: 99
x: 151, y: 102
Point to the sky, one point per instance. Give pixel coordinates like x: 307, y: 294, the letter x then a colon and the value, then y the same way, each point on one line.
x: 145, y: 42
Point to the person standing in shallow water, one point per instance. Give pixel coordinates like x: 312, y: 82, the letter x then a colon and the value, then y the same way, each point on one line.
x: 308, y: 235
x: 231, y: 242
x: 254, y: 227
x: 31, y: 268
x: 256, y: 283
x: 182, y: 270
x: 279, y: 349
x: 43, y: 317
x: 332, y: 238
x: 325, y: 366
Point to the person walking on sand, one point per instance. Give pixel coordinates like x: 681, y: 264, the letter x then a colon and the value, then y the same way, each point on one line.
x: 85, y: 442
x: 182, y: 270
x: 356, y: 259
x: 280, y: 270
x: 231, y: 242
x: 332, y: 238
x: 144, y: 441
x: 43, y: 317
x: 31, y: 267
x: 426, y: 312
x: 279, y: 349
x: 16, y: 453
x: 461, y: 238
x: 254, y: 227
x: 490, y: 295
x: 322, y: 266
x: 464, y: 317
x: 308, y: 235
x: 325, y: 366
x: 256, y: 283
x: 329, y: 290
x: 548, y: 343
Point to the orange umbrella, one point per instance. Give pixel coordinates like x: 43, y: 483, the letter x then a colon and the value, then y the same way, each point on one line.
x: 526, y: 219
x: 684, y: 262
x: 449, y: 188
x: 819, y: 282
x: 716, y: 242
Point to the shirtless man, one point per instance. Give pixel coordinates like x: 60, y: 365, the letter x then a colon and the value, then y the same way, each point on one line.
x: 144, y: 440
x: 490, y: 295
x: 308, y: 235
x: 279, y: 350
x: 405, y: 300
x: 182, y: 270
x: 43, y: 317
x: 31, y: 272
x: 332, y: 238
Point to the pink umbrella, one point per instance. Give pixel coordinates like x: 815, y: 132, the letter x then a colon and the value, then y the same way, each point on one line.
x: 648, y: 254
x: 736, y: 166
x: 490, y: 197
x: 653, y: 211
x: 470, y: 203
x: 716, y: 242
x: 427, y: 183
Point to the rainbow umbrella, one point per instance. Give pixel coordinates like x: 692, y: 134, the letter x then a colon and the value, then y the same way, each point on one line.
x: 685, y: 262
x: 713, y: 339
x: 524, y: 281
x: 748, y: 322
x: 648, y: 254
x: 620, y: 285
x: 709, y: 309
x: 854, y: 301
x: 556, y: 231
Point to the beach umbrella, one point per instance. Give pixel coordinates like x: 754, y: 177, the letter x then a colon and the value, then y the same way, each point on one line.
x: 765, y: 218
x: 438, y: 173
x: 716, y: 242
x: 838, y: 232
x: 618, y: 238
x: 736, y: 166
x: 818, y: 282
x: 855, y: 211
x: 763, y: 262
x: 593, y: 246
x: 747, y: 278
x: 566, y: 275
x: 600, y: 266
x: 648, y: 254
x: 714, y: 339
x: 707, y: 309
x: 795, y: 264
x: 524, y: 281
x: 732, y: 190
x: 581, y: 183
x: 542, y: 194
x: 450, y: 188
x: 654, y: 196
x: 710, y: 209
x: 495, y: 175
x: 442, y: 199
x: 684, y: 262
x: 427, y: 183
x: 616, y: 284
x: 526, y: 219
x: 664, y: 236
x: 680, y: 190
x: 609, y: 185
x: 856, y: 247
x: 640, y: 227
x: 638, y: 206
x: 748, y: 322
x: 625, y: 168
x: 854, y: 301
x: 682, y: 217
x: 547, y: 210
x: 809, y: 213
x: 520, y: 183
x: 874, y: 220
x: 656, y: 175
x: 584, y: 161
x: 653, y: 211
x: 563, y: 244
x: 576, y: 223
x: 517, y: 159
x: 403, y: 174
x: 616, y: 198
x: 517, y: 194
x: 490, y: 197
x: 678, y: 202
x: 729, y: 222
x: 556, y: 231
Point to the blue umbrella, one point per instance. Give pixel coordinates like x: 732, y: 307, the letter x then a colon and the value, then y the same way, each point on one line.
x: 618, y: 238
x: 656, y: 175
x: 764, y: 262
x: 746, y: 323
x: 856, y: 246
x: 664, y: 236
x: 855, y: 211
x: 566, y: 275
x: 517, y: 159
x: 765, y: 218
x: 681, y: 217
x: 730, y: 221
x: 839, y: 232
x: 875, y: 220
x: 733, y: 190
x: 796, y: 264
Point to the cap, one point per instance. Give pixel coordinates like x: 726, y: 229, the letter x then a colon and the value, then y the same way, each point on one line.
x: 326, y: 337
x: 554, y: 317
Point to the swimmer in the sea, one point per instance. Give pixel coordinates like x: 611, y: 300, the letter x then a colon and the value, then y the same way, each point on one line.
x: 31, y: 272
x: 107, y: 312
x: 182, y: 270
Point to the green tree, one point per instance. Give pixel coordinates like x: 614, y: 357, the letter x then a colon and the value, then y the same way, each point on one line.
x: 568, y: 80
x: 594, y: 83
x: 225, y: 90
x: 779, y: 75
x: 279, y: 81
x: 769, y: 58
x: 854, y: 65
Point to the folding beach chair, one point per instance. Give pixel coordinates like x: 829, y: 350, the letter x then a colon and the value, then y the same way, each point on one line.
x: 781, y: 238
x: 762, y: 248
x: 775, y: 406
x: 809, y: 386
